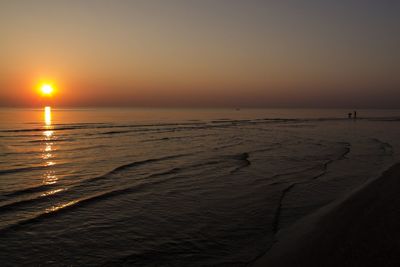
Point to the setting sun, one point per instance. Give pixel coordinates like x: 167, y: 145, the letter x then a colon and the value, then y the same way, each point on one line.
x: 46, y: 89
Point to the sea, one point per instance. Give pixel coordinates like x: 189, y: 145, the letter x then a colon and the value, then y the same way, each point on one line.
x: 175, y: 187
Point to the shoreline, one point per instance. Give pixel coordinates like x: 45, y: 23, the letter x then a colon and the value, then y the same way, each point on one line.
x: 360, y: 230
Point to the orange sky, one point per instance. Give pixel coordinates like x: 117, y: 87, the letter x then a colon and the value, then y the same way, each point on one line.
x: 201, y: 53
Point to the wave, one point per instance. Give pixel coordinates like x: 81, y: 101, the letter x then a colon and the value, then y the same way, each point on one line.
x: 244, y: 158
x: 227, y: 146
x: 56, y: 140
x: 28, y: 190
x: 143, y: 162
x: 285, y: 191
x: 116, y: 132
x: 176, y: 138
x: 290, y: 174
x: 83, y: 148
x: 193, y: 124
x: 46, y: 195
x: 346, y: 150
x: 386, y: 148
x: 81, y: 184
x: 64, y: 127
x: 164, y: 127
x: 76, y: 203
x: 23, y: 169
x: 73, y: 192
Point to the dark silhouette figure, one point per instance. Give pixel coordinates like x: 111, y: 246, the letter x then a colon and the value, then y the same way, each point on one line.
x: 349, y: 115
x: 355, y: 114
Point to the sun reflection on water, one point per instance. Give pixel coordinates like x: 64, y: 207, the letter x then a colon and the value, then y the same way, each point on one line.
x: 52, y: 192
x: 48, y: 133
x: 49, y: 177
x: 47, y: 116
x: 60, y: 206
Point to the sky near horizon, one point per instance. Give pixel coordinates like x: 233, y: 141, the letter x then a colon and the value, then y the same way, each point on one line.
x: 220, y: 53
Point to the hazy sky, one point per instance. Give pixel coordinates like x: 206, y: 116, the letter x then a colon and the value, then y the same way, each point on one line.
x: 257, y: 53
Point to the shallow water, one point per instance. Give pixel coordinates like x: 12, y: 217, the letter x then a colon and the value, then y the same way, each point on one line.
x: 175, y: 187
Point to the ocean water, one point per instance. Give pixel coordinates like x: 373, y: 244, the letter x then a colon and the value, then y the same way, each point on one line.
x: 164, y: 187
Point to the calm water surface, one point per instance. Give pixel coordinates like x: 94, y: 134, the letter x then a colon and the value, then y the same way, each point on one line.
x: 160, y: 187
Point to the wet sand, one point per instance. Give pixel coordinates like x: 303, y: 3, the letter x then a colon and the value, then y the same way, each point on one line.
x: 361, y: 230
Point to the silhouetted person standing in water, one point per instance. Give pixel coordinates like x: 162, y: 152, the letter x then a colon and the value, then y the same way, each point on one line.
x: 355, y: 114
x: 349, y: 114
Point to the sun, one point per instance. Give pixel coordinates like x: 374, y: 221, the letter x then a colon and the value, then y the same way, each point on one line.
x: 46, y: 89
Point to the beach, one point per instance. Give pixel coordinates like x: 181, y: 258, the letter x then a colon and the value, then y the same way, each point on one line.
x: 140, y: 187
x: 199, y: 133
x: 361, y: 230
